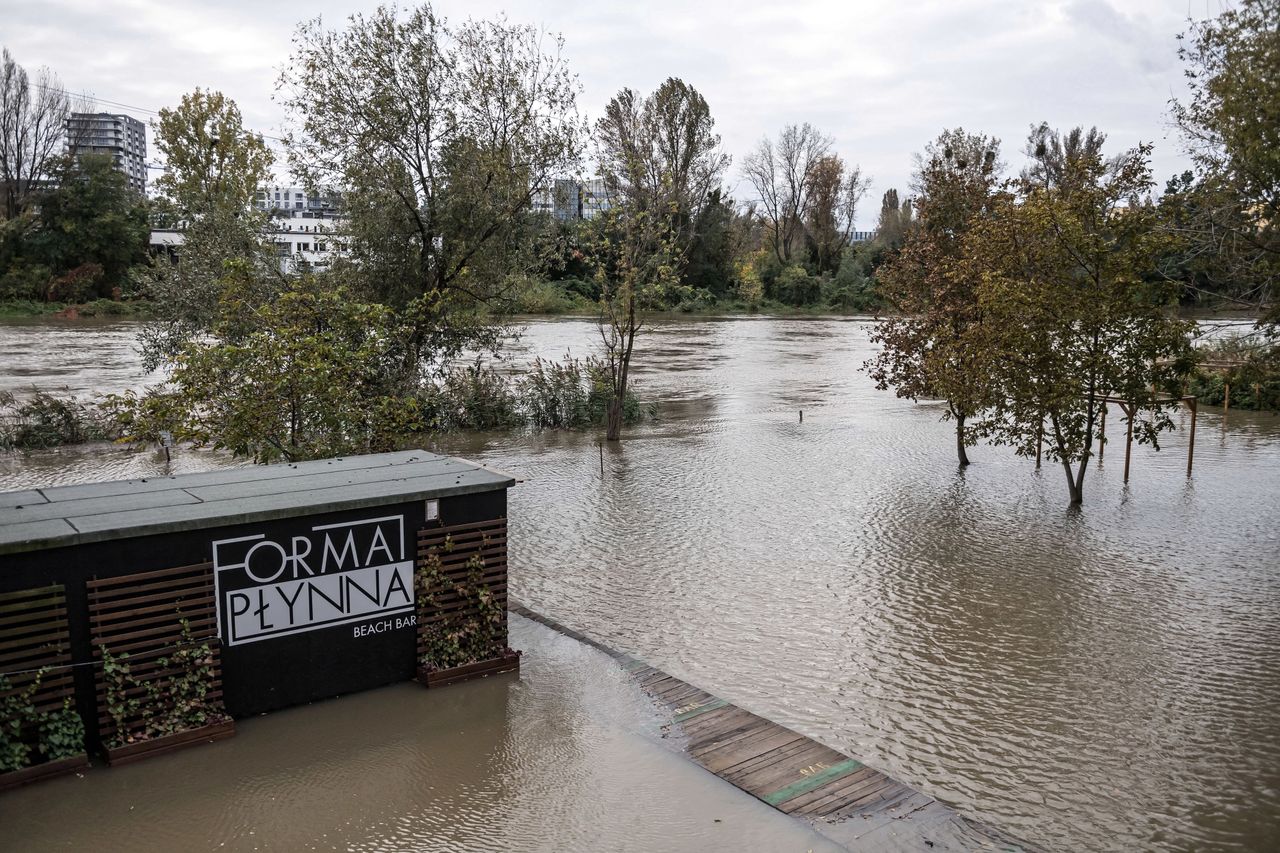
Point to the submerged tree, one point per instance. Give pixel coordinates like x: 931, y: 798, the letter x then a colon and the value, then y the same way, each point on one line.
x: 637, y: 259
x: 304, y: 374
x: 931, y: 345
x: 440, y: 137
x: 1073, y: 309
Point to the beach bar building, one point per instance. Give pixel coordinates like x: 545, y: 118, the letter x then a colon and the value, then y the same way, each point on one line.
x: 268, y: 586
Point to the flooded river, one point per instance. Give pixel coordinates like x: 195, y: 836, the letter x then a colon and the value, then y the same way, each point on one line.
x: 1107, y: 679
x: 563, y: 757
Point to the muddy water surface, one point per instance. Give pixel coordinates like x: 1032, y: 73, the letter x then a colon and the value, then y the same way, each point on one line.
x: 1107, y: 679
x: 560, y: 758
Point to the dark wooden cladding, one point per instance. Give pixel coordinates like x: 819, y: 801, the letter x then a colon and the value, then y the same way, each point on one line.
x: 142, y: 614
x: 455, y: 546
x: 35, y: 644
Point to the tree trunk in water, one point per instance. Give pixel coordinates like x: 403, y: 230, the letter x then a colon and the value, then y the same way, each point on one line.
x: 1075, y: 486
x: 613, y: 419
x: 961, y: 453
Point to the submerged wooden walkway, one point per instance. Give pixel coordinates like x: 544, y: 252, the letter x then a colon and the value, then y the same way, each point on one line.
x: 846, y: 801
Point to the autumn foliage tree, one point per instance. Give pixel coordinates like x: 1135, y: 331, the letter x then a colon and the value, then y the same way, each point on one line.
x: 930, y: 346
x: 661, y: 155
x: 1074, y: 310
x: 800, y: 182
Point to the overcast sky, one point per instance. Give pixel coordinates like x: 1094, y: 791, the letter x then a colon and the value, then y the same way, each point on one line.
x: 882, y: 78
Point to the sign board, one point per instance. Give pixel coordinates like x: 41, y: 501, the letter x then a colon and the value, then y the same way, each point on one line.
x: 318, y: 577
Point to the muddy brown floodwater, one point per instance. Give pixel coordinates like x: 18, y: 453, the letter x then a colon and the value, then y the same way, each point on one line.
x: 562, y: 757
x: 1107, y: 679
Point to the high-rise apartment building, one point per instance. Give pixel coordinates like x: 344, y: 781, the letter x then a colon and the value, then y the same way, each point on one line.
x: 122, y: 137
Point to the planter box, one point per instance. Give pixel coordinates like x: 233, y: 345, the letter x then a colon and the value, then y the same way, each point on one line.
x: 509, y: 661
x: 14, y: 778
x: 132, y: 752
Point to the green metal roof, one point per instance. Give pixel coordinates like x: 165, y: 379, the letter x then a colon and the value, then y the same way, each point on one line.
x: 36, y: 519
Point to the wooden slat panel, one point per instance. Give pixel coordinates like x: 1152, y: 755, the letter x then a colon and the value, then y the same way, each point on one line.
x: 141, y: 615
x: 35, y: 643
x: 455, y: 546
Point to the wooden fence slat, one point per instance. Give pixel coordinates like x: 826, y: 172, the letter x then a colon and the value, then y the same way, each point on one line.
x: 141, y: 615
x: 34, y: 636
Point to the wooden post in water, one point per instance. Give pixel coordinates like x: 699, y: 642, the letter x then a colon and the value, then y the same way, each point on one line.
x: 1191, y: 445
x: 1226, y: 396
x: 1130, y: 410
x: 1039, y: 441
x: 802, y: 416
x: 1102, y: 433
x: 601, y: 446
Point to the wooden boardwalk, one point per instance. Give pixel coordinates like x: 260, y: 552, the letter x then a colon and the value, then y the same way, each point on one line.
x: 848, y: 802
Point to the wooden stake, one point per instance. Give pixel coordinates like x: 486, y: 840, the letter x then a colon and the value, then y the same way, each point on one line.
x: 601, y: 446
x: 1039, y: 441
x: 1191, y: 445
x: 1102, y: 433
x: 1129, y: 411
x: 1226, y: 396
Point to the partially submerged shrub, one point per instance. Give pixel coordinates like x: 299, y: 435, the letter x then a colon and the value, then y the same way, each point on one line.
x: 44, y: 420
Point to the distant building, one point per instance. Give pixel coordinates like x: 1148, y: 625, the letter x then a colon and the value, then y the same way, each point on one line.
x: 297, y: 203
x: 308, y: 242
x: 122, y: 137
x: 568, y: 199
x: 595, y: 198
x: 862, y: 236
x: 300, y: 243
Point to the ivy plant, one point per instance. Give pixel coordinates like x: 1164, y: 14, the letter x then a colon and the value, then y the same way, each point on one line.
x: 472, y: 629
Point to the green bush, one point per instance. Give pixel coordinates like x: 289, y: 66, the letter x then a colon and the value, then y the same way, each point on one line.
x: 695, y: 299
x: 572, y: 394
x: 472, y: 397
x: 43, y: 420
x: 584, y: 289
x: 1254, y: 374
x: 24, y: 281
x: 794, y: 287
x: 850, y: 290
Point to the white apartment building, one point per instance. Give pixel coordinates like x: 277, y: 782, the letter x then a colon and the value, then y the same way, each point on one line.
x: 307, y: 227
x: 305, y: 230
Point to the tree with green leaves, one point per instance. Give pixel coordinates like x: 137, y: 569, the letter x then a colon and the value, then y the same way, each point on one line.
x: 305, y: 374
x: 92, y: 219
x: 213, y: 168
x: 661, y: 153
x: 894, y: 223
x: 212, y: 163
x: 1074, y: 310
x: 1231, y: 127
x: 637, y: 260
x: 929, y: 346
x: 440, y: 136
